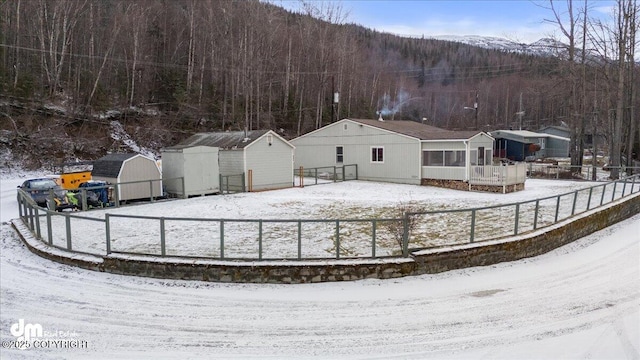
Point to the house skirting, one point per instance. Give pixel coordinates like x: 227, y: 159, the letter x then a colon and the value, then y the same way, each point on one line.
x: 466, y: 186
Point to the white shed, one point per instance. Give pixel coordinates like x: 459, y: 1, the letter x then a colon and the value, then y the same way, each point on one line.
x: 190, y: 170
x: 136, y: 176
x: 256, y: 160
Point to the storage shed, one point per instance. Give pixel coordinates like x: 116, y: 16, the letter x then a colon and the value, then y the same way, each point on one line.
x: 254, y: 160
x: 136, y: 176
x: 190, y: 170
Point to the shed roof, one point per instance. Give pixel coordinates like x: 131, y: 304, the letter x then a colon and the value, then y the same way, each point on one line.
x: 418, y: 130
x: 223, y: 140
x: 110, y: 165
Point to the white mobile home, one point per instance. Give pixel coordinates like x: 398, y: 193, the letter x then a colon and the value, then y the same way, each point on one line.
x: 190, y: 170
x: 395, y: 151
x: 262, y: 159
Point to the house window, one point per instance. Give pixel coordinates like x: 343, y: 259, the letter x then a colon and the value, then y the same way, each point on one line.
x: 481, y: 155
x: 432, y: 158
x: 339, y: 154
x: 377, y: 154
x: 345, y: 127
x: 453, y: 158
x: 473, y: 157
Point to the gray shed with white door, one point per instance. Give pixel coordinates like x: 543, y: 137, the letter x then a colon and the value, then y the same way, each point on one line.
x: 190, y: 170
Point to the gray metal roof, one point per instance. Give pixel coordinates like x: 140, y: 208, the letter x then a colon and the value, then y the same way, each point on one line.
x: 224, y: 140
x: 524, y: 135
x: 109, y: 165
x: 418, y: 130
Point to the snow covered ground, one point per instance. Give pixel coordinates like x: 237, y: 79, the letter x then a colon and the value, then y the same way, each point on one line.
x: 357, y: 201
x: 579, y: 301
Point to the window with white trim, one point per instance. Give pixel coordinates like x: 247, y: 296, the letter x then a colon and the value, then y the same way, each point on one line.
x: 377, y: 154
x: 339, y: 154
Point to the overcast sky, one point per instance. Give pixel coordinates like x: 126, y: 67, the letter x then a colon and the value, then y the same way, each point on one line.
x: 519, y: 20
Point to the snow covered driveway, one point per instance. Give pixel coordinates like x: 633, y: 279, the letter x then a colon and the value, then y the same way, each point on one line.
x: 579, y: 301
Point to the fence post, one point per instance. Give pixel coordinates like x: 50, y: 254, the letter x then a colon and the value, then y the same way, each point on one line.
x: 557, y: 209
x: 221, y: 183
x: 473, y: 224
x: 20, y: 204
x: 107, y: 230
x: 624, y: 186
x: 31, y: 225
x: 337, y: 236
x: 613, y: 193
x: 316, y: 175
x: 222, y: 239
x: 49, y: 229
x: 633, y: 183
x: 575, y: 199
x: 260, y: 239
x: 373, y: 238
x: 163, y: 250
x: 301, y: 176
x: 250, y: 182
x: 589, y: 201
x: 116, y: 189
x: 335, y: 174
x: 83, y: 194
x: 517, y: 219
x: 535, y: 215
x: 244, y: 188
x: 405, y: 235
x: 604, y: 187
x: 67, y: 225
x: 184, y: 188
x: 299, y: 239
x: 38, y: 235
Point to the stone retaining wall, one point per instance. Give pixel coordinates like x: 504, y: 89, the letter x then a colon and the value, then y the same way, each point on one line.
x: 420, y: 262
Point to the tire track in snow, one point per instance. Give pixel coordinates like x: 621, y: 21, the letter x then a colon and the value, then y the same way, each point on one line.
x: 588, y: 287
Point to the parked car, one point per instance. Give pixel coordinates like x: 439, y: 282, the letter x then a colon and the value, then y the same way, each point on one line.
x: 38, y: 189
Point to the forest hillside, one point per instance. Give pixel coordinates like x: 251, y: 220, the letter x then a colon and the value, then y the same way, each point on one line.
x: 71, y: 71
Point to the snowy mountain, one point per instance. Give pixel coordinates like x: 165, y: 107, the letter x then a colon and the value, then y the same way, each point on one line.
x: 543, y: 47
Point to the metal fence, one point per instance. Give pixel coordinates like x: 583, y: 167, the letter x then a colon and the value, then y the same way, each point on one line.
x: 574, y: 172
x: 319, y: 175
x: 300, y: 239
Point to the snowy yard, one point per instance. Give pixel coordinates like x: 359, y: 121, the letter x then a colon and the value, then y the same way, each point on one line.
x: 579, y: 301
x: 304, y: 220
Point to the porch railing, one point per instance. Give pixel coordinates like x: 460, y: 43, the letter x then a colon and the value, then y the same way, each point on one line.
x: 498, y: 175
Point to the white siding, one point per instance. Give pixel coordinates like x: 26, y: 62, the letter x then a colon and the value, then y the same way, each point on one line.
x: 401, y: 162
x: 231, y: 162
x: 198, y: 166
x: 139, y: 168
x: 271, y: 165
